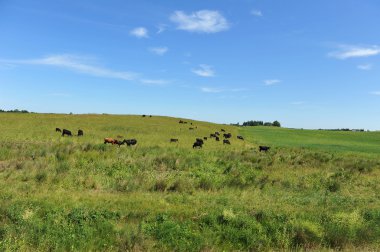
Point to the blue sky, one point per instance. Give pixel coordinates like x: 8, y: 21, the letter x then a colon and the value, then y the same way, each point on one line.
x: 308, y: 64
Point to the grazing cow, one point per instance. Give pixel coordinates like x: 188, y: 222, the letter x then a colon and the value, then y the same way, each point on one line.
x: 240, y: 137
x: 217, y: 138
x: 222, y: 130
x: 191, y: 123
x: 150, y: 115
x: 217, y: 133
x: 185, y: 122
x: 118, y: 142
x: 204, y: 138
x: 80, y: 132
x: 199, y: 140
x: 130, y: 142
x: 228, y: 135
x: 197, y: 144
x: 191, y: 128
x: 173, y: 140
x: 225, y: 141
x: 66, y: 132
x: 180, y: 121
x: 143, y: 115
x: 212, y: 135
x: 264, y: 148
x: 110, y: 140
x: 58, y: 130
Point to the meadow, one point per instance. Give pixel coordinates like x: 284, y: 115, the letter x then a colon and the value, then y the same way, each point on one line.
x: 313, y: 190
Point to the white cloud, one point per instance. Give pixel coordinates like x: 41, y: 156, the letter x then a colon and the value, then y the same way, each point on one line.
x: 271, y: 82
x: 161, y: 28
x: 204, y: 21
x: 204, y: 71
x: 159, y: 50
x: 375, y: 93
x: 139, y: 32
x: 211, y: 90
x: 158, y: 82
x: 76, y: 64
x: 365, y: 67
x: 256, y: 13
x: 347, y: 52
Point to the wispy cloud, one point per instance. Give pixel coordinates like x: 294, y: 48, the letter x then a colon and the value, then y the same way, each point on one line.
x: 139, y: 32
x: 271, y: 82
x: 365, y: 67
x: 158, y: 82
x: 256, y: 13
x: 347, y: 51
x: 211, y: 90
x: 161, y: 28
x: 77, y: 64
x: 203, y: 21
x: 375, y: 93
x: 204, y: 71
x: 158, y: 50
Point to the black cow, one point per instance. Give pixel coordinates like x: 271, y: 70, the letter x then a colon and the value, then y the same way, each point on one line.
x: 80, y: 132
x: 180, y: 121
x: 66, y: 132
x: 217, y: 138
x: 222, y: 130
x: 228, y: 135
x: 143, y: 115
x: 212, y: 135
x: 240, y: 137
x: 130, y: 142
x: 197, y: 144
x: 173, y: 140
x: 199, y: 140
x: 58, y: 130
x: 191, y: 128
x: 264, y: 148
x: 119, y: 142
x: 217, y: 133
x: 204, y: 138
x: 225, y: 141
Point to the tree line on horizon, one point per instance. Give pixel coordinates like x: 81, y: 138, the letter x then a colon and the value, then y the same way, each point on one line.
x: 14, y: 111
x: 259, y: 123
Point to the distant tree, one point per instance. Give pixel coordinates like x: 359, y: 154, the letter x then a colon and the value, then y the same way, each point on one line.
x: 276, y: 124
x: 268, y: 124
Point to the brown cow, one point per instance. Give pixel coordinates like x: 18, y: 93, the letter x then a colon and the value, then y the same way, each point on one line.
x: 110, y: 140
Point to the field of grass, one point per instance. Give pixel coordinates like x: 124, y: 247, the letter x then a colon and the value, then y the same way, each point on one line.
x: 333, y: 141
x: 311, y: 191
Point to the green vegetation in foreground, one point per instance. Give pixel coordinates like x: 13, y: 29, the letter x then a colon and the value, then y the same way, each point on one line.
x: 332, y: 141
x: 79, y: 194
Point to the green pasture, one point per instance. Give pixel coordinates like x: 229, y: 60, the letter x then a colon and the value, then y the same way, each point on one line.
x: 332, y: 141
x: 313, y: 190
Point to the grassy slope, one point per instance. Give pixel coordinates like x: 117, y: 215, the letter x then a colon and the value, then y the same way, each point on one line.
x: 78, y: 194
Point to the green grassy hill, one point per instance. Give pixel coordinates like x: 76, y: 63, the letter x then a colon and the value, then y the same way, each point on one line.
x: 70, y: 193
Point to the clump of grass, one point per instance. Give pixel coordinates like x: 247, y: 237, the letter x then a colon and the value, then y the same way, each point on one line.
x: 41, y: 176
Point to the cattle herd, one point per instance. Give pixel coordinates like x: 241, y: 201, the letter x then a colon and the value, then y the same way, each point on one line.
x: 197, y: 144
